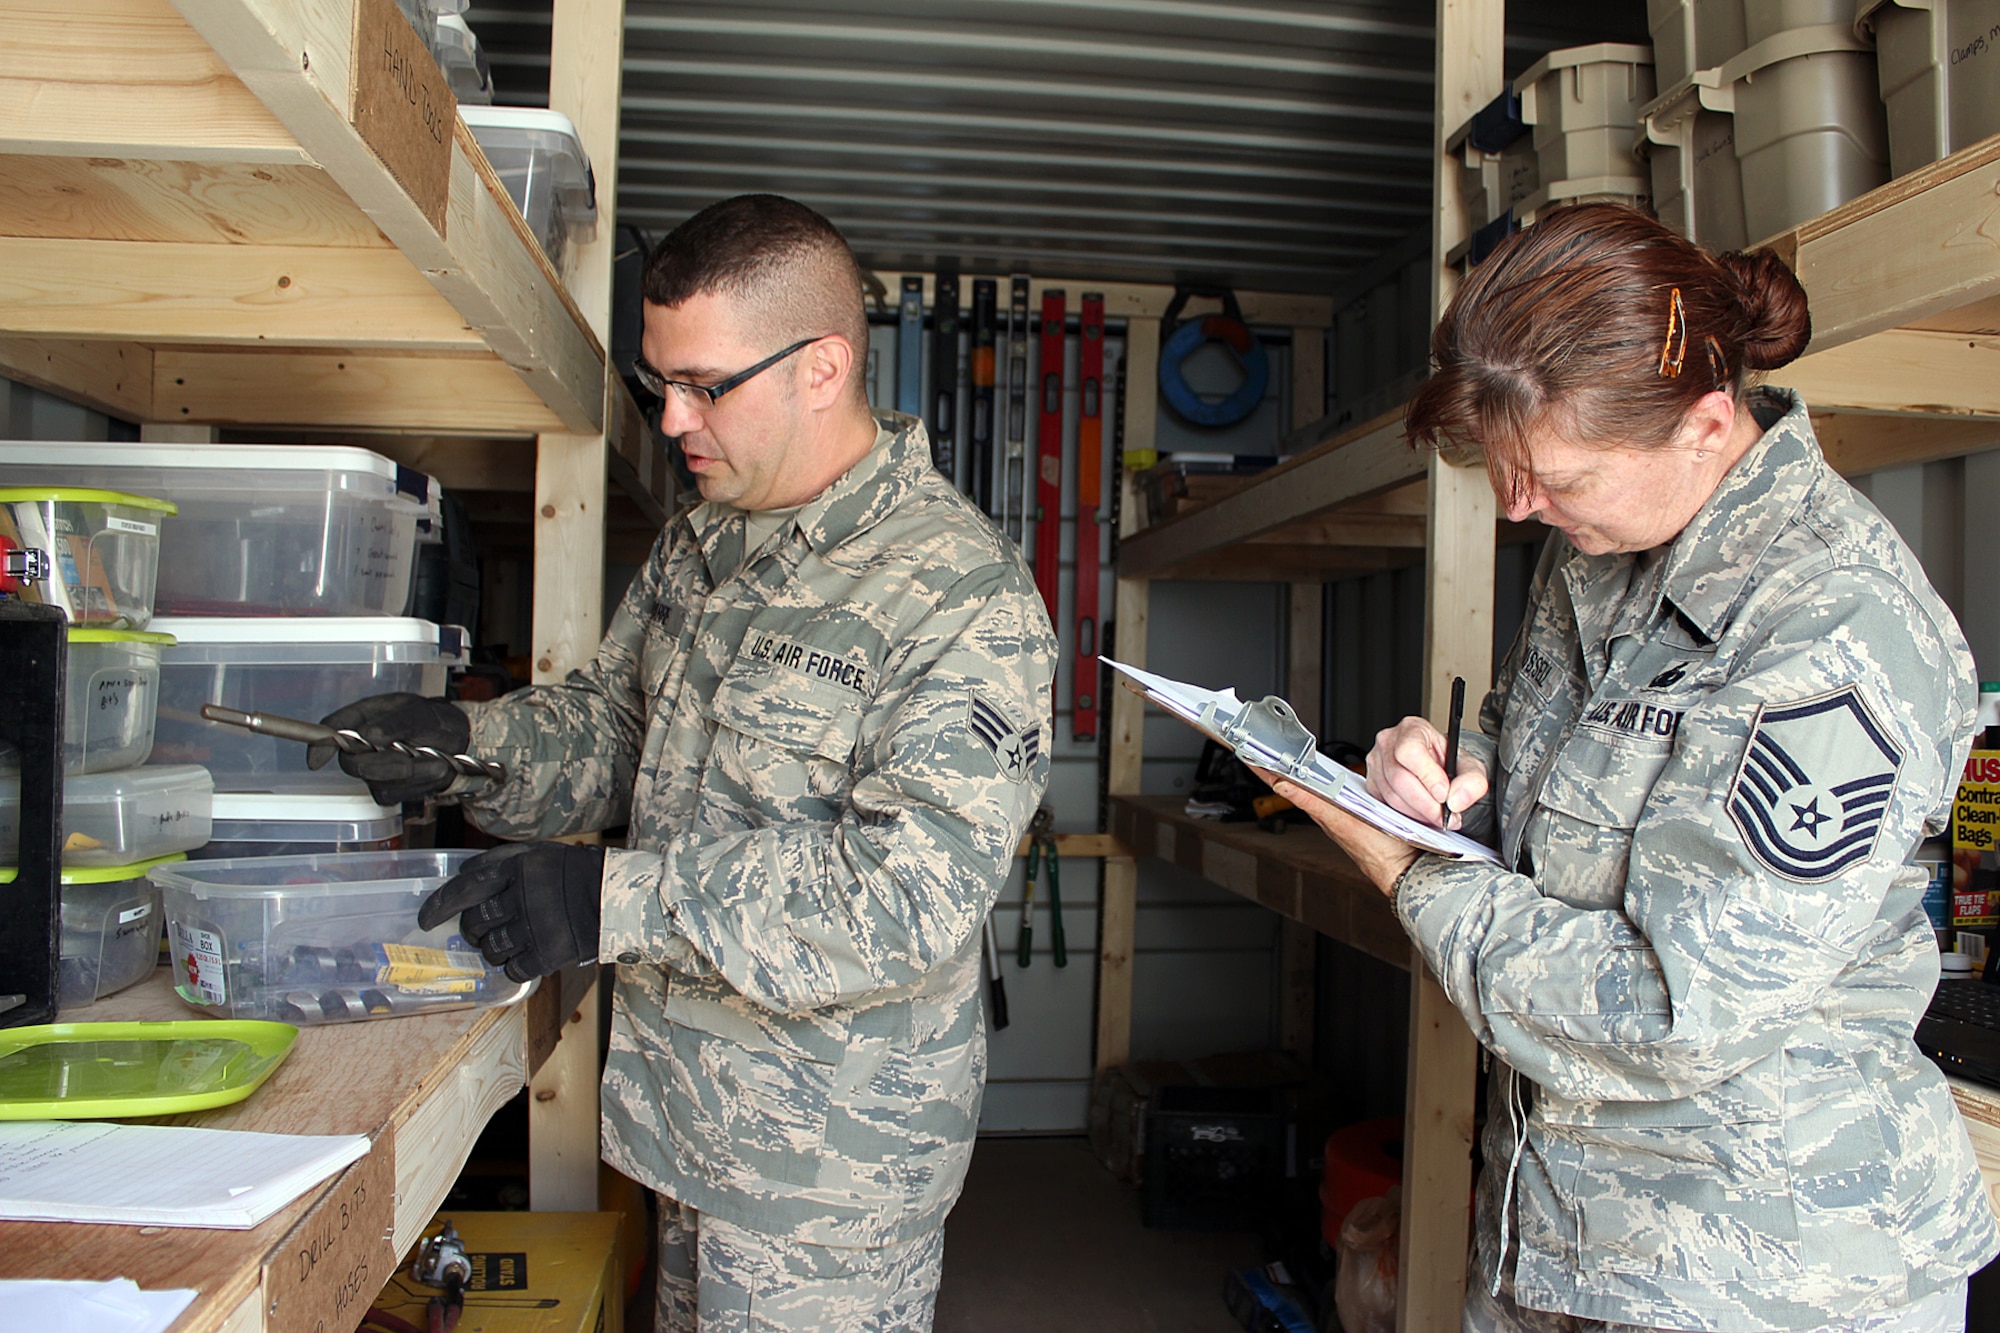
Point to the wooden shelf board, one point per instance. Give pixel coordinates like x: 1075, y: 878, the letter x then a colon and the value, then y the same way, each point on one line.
x: 217, y: 295
x: 133, y: 199
x: 113, y: 378
x: 258, y: 92
x: 1926, y: 243
x: 1300, y: 873
x: 457, y: 395
x: 1856, y: 443
x: 126, y: 79
x: 1910, y: 372
x: 420, y: 1087
x: 1367, y: 461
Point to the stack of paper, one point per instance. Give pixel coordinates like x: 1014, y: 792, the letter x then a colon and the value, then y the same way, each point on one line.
x: 1213, y: 712
x: 160, y: 1175
x: 118, y: 1306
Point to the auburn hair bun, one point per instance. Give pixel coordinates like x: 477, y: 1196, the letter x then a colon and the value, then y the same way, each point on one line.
x: 1776, y: 323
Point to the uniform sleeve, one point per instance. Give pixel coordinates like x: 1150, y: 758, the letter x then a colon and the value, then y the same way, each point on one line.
x: 571, y: 749
x: 1738, y: 909
x: 800, y: 916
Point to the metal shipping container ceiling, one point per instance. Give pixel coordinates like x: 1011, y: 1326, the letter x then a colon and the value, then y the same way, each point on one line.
x: 1266, y: 145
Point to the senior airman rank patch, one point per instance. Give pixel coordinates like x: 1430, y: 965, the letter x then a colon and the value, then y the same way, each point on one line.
x: 1014, y: 750
x: 1814, y: 786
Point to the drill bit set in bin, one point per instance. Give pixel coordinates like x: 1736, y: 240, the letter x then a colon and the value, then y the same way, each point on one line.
x: 283, y: 581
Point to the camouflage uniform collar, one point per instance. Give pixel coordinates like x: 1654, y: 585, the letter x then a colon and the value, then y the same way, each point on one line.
x: 857, y: 498
x: 873, y: 487
x: 1718, y: 552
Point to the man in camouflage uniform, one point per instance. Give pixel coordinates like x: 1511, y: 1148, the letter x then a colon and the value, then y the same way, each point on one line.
x: 823, y: 712
x: 1704, y: 953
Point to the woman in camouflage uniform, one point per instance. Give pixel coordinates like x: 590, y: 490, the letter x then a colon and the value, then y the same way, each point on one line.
x: 1734, y: 709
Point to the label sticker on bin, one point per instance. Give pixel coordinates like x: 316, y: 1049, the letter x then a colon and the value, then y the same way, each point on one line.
x: 131, y: 914
x: 198, y: 955
x: 117, y: 524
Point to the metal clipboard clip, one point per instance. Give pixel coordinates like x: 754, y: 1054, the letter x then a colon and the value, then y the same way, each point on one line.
x: 1268, y: 734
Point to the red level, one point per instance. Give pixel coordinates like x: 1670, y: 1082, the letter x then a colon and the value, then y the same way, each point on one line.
x: 1048, y: 449
x: 1089, y: 494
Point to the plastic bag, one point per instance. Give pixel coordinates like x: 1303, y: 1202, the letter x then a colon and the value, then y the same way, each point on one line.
x: 1364, y: 1285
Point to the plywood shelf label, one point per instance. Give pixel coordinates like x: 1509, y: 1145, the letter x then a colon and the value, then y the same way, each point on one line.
x: 340, y: 1253
x: 402, y: 107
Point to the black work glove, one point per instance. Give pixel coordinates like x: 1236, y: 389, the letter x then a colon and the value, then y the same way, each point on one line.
x: 410, y: 718
x: 531, y: 907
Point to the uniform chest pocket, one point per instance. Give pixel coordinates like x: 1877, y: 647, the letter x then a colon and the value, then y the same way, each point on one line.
x: 1604, y: 781
x: 785, y: 738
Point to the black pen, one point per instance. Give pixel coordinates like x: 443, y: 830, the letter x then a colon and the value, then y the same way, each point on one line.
x: 1451, y: 740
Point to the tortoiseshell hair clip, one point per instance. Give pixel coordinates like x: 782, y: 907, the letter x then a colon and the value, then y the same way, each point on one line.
x: 1673, y: 352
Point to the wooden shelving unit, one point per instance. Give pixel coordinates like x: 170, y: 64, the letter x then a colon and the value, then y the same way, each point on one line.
x: 201, y: 230
x: 1904, y: 367
x: 267, y: 214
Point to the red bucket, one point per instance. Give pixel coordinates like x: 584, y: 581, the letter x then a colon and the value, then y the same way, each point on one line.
x: 1363, y: 1161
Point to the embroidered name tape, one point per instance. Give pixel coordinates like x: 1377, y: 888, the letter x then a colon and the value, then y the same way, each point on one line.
x: 816, y: 663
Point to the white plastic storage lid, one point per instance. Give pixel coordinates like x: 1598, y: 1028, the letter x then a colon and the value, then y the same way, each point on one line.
x: 116, y: 785
x: 251, y: 816
x: 300, y: 640
x: 219, y: 470
x: 552, y: 133
x: 325, y: 877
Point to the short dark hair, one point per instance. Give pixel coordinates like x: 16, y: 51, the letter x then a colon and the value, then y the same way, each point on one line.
x: 1605, y: 324
x: 788, y: 268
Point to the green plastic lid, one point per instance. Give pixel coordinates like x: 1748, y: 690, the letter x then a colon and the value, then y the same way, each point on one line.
x: 121, y: 636
x: 87, y: 1071
x: 88, y: 494
x: 100, y: 874
x: 1989, y: 687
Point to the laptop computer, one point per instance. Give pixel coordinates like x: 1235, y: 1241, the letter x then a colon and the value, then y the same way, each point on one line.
x: 1961, y: 1029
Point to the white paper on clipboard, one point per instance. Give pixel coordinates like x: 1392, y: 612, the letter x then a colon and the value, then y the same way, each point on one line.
x: 1216, y: 712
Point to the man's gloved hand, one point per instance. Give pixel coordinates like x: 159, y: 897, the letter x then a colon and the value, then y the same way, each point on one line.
x: 410, y: 718
x: 531, y: 907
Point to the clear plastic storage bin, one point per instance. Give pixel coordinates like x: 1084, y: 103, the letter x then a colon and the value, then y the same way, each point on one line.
x: 463, y: 62
x: 303, y: 668
x: 264, y: 824
x: 1938, y: 65
x: 111, y: 697
x: 1583, y: 103
x: 103, y: 548
x: 263, y: 530
x: 117, y: 818
x: 321, y: 939
x: 542, y: 163
x: 110, y: 929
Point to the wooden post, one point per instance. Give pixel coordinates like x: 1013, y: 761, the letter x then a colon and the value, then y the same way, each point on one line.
x: 1308, y: 376
x: 1298, y: 947
x: 1118, y: 899
x: 587, y: 52
x: 1458, y: 641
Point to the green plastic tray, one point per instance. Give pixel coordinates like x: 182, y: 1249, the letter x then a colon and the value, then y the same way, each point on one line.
x: 91, y: 1071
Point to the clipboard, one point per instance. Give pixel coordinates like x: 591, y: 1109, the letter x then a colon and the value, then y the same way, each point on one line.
x: 1266, y: 733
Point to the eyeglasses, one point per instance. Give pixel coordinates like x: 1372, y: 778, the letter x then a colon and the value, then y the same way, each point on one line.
x: 703, y: 396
